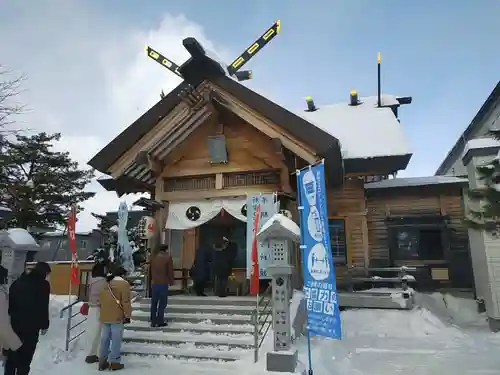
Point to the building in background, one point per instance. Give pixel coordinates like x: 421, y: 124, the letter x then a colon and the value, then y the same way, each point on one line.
x: 57, y: 246
x: 487, y: 117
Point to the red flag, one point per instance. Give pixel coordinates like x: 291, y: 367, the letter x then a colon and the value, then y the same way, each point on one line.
x: 75, y: 274
x: 254, y: 275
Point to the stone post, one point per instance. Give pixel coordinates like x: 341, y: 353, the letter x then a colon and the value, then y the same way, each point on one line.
x: 484, y: 247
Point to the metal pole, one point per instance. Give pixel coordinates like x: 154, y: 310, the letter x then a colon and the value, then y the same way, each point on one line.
x: 256, y: 333
x: 68, y: 325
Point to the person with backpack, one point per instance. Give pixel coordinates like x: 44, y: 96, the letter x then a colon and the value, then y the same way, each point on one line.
x: 9, y: 341
x: 97, y: 283
x: 116, y: 310
x: 29, y: 299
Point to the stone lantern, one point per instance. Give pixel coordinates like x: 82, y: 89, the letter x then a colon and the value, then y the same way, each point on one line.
x: 14, y: 245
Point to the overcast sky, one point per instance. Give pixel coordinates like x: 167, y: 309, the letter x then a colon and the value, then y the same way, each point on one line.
x: 88, y: 76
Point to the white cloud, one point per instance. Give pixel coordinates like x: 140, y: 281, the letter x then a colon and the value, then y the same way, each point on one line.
x: 88, y: 75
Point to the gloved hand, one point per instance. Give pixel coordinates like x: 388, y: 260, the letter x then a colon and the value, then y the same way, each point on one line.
x: 43, y: 332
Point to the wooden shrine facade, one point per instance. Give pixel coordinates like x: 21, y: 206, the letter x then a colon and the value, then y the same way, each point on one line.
x: 212, y: 137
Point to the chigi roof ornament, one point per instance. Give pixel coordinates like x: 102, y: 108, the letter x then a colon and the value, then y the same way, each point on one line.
x: 198, y: 53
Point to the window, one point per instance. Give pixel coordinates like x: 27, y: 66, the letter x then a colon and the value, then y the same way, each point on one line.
x: 83, y: 244
x: 419, y: 244
x: 338, y: 240
x: 431, y: 244
x: 47, y: 244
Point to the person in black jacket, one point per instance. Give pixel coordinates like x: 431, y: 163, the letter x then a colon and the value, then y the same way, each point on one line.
x: 200, y: 271
x: 29, y: 298
x: 224, y: 257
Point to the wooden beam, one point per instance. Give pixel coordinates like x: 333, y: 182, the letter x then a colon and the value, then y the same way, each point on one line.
x: 148, y: 140
x: 152, y: 137
x: 266, y: 126
x: 184, y: 131
x: 227, y: 192
x: 219, y: 181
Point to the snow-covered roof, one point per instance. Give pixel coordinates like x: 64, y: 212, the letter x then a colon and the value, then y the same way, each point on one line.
x: 415, y: 181
x: 364, y: 131
x: 480, y: 143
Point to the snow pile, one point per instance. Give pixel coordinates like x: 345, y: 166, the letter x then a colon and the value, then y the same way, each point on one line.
x: 51, y: 347
x: 461, y: 312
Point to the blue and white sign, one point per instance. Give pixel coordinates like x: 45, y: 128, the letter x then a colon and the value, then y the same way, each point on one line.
x: 268, y: 207
x: 320, y: 288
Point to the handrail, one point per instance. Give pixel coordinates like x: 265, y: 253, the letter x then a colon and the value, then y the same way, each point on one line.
x: 71, y: 315
x: 260, y: 317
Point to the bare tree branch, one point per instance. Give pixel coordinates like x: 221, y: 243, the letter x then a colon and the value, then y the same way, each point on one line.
x: 10, y: 88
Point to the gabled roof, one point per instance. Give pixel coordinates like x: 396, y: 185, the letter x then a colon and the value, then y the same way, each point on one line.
x: 201, y: 68
x: 475, y: 124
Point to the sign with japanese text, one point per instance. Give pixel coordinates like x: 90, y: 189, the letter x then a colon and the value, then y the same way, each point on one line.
x: 268, y: 207
x: 320, y: 288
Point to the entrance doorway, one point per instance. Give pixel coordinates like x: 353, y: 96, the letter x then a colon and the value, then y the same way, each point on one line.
x: 235, y: 230
x: 226, y: 225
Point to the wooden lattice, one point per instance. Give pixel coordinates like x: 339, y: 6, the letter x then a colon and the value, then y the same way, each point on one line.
x: 189, y: 183
x: 253, y: 178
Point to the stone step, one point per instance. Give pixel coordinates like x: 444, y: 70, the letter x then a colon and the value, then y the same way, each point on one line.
x: 187, y: 352
x: 200, y: 328
x: 196, y: 317
x: 149, y: 364
x: 208, y: 300
x: 199, y: 340
x: 214, y: 309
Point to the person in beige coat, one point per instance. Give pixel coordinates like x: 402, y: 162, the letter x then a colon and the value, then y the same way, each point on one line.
x: 116, y: 309
x: 8, y: 338
x: 93, y: 325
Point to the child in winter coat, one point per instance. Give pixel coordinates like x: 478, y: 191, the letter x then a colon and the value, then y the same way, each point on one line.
x: 93, y: 330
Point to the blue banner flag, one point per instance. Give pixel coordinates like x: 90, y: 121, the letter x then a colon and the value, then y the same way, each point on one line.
x: 320, y: 288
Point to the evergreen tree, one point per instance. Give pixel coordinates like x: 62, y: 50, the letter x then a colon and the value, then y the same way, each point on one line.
x: 39, y: 184
x: 487, y: 216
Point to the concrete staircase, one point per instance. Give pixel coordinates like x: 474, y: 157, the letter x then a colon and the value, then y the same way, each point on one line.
x: 199, y: 328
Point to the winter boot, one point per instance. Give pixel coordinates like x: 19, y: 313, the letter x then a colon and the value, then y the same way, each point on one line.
x: 116, y: 366
x: 103, y: 365
x: 91, y: 359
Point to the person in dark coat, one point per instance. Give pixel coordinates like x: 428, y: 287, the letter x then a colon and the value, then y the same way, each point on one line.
x: 29, y: 298
x: 200, y: 271
x: 224, y: 257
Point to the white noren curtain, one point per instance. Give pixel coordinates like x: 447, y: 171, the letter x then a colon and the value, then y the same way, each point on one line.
x: 191, y: 214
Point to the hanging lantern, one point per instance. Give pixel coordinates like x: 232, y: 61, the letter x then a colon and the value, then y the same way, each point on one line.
x: 147, y: 227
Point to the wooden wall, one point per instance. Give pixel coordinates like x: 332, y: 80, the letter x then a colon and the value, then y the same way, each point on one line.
x: 60, y: 274
x: 348, y: 202
x: 413, y: 201
x: 248, y: 150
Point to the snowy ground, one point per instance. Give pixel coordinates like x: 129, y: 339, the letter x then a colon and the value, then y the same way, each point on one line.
x: 452, y: 339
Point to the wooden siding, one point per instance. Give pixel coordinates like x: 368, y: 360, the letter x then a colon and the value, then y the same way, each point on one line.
x: 60, y: 274
x: 348, y: 202
x: 247, y: 148
x: 412, y: 201
x: 250, y: 153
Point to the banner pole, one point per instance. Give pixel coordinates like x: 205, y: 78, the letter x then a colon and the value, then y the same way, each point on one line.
x: 300, y: 209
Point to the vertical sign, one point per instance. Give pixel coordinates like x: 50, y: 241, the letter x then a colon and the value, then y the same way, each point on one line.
x: 75, y: 275
x: 268, y: 208
x: 320, y: 289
